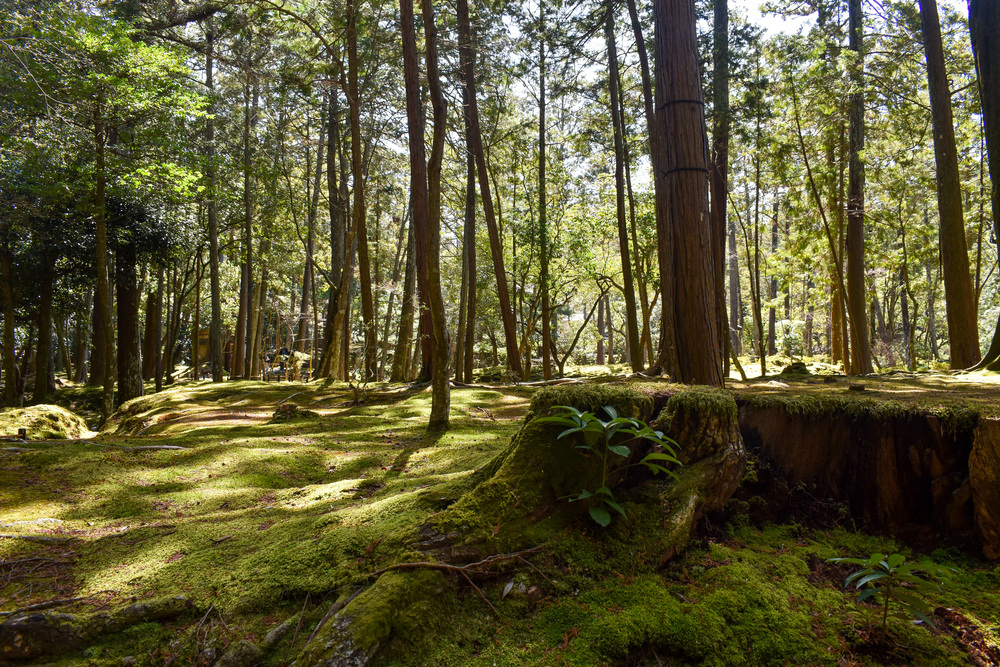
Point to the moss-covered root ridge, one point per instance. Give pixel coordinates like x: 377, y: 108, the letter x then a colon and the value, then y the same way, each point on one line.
x: 32, y: 635
x: 399, y: 605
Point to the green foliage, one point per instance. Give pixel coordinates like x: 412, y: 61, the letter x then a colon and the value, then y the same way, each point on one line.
x: 597, y: 439
x: 894, y: 583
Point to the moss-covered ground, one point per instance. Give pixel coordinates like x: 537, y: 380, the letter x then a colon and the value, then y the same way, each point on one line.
x: 257, y: 519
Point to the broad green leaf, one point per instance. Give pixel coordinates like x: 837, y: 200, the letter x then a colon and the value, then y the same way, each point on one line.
x: 874, y: 576
x: 615, y: 506
x: 604, y: 491
x: 611, y: 411
x: 600, y: 515
x: 867, y: 593
x: 895, y: 560
x: 620, y: 450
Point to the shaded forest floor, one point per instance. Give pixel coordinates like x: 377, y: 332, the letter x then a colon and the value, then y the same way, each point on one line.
x: 285, y: 497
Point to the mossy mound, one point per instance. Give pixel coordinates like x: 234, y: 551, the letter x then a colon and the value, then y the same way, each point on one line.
x: 44, y: 422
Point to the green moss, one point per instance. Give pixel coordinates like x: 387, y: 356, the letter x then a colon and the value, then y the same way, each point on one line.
x: 698, y: 400
x: 43, y: 422
x: 956, y: 418
x: 591, y: 398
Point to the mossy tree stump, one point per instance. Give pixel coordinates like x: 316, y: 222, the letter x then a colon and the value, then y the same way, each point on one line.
x: 520, y: 502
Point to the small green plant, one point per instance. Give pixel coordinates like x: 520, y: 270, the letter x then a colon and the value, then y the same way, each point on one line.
x: 597, y: 439
x: 891, y: 580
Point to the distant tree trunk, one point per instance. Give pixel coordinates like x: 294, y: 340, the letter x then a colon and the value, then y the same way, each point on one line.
x: 467, y: 61
x: 543, y: 232
x: 81, y: 338
x: 128, y: 302
x: 932, y: 338
x: 496, y: 249
x: 772, y: 292
x: 600, y: 331
x: 468, y: 279
x: 404, y: 339
x: 628, y: 283
x: 441, y: 392
x: 963, y: 331
x: 861, y: 355
x: 720, y: 170
x: 735, y: 294
x: 196, y: 326
x: 215, y: 337
x: 103, y: 289
x: 666, y: 356
x: 984, y: 27
x: 9, y: 300
x: 158, y: 329
x: 148, y: 344
x: 43, y: 355
x: 240, y: 345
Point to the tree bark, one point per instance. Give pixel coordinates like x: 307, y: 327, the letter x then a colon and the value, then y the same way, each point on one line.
x: 685, y: 175
x: 404, y: 339
x: 984, y: 28
x: 543, y: 230
x: 720, y: 173
x: 963, y: 333
x: 861, y: 355
x: 215, y: 337
x: 43, y: 354
x: 628, y: 283
x: 128, y: 301
x: 103, y: 309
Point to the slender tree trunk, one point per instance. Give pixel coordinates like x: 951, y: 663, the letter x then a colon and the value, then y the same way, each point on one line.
x: 963, y: 331
x: 158, y: 328
x: 543, y: 229
x: 82, y: 339
x: 215, y: 338
x: 196, y: 327
x: 666, y: 356
x: 735, y: 294
x: 772, y: 292
x: 397, y: 267
x: 720, y: 167
x: 43, y: 355
x: 631, y: 322
x: 984, y: 28
x: 404, y: 339
x: 240, y: 345
x: 496, y: 248
x: 9, y: 301
x: 128, y: 301
x: 103, y: 290
x: 861, y: 356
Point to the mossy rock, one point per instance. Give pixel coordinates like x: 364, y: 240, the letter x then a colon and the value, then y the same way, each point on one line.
x: 43, y: 422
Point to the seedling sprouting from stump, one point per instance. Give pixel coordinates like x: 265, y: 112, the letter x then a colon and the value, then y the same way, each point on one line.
x: 597, y: 438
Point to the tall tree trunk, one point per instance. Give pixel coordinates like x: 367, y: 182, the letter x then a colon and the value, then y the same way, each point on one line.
x: 963, y: 332
x: 440, y: 388
x: 81, y: 338
x: 984, y: 28
x: 128, y: 302
x: 240, y: 345
x: 397, y: 267
x: 735, y: 294
x: 467, y: 61
x: 772, y: 292
x: 696, y: 331
x: 720, y: 168
x: 196, y: 327
x: 404, y: 339
x: 103, y: 289
x: 631, y: 321
x: 861, y: 355
x: 496, y: 248
x: 543, y: 228
x: 9, y: 301
x: 666, y: 356
x: 215, y: 338
x: 43, y: 355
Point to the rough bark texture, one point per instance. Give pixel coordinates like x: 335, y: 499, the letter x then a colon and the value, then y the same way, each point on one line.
x: 984, y: 478
x: 215, y: 338
x: 963, y: 333
x: 129, y: 348
x: 691, y: 269
x: 904, y: 473
x: 628, y: 284
x: 984, y: 27
x: 861, y: 355
x: 720, y: 173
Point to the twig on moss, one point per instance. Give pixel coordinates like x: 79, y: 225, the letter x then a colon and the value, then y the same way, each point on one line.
x: 480, y: 593
x: 188, y: 640
x: 302, y: 617
x: 42, y: 605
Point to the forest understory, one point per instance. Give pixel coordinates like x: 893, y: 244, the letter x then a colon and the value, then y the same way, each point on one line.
x: 220, y: 524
